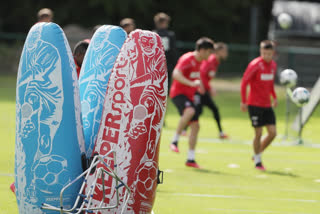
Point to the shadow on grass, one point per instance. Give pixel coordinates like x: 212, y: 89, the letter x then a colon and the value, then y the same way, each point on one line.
x: 289, y: 174
x: 208, y: 171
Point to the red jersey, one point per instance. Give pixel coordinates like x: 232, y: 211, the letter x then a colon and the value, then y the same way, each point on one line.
x: 260, y: 76
x: 208, y: 70
x: 190, y: 69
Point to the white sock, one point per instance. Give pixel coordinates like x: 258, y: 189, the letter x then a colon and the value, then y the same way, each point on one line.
x: 191, y: 155
x: 176, y: 138
x: 257, y: 158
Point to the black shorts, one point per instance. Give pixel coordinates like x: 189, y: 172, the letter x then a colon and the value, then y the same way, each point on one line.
x: 204, y: 100
x: 261, y: 116
x: 182, y: 102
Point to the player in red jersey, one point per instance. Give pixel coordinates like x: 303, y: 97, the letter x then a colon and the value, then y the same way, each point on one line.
x: 208, y: 71
x: 79, y: 52
x: 186, y: 81
x: 260, y: 75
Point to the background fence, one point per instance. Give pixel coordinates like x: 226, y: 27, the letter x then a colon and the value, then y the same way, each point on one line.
x: 304, y: 60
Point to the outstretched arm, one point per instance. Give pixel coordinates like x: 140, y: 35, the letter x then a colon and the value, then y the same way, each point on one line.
x: 177, y: 75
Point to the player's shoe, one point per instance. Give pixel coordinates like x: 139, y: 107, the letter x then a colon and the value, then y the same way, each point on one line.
x: 193, y: 164
x: 13, y: 188
x: 260, y: 167
x: 174, y: 147
x: 223, y: 136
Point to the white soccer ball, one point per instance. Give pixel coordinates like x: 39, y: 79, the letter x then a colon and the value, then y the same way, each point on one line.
x: 301, y: 96
x: 285, y: 20
x: 289, y: 78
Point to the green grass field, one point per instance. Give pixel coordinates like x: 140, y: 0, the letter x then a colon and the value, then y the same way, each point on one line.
x: 228, y: 183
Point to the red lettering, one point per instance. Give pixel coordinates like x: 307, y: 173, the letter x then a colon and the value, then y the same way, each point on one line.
x: 110, y: 121
x: 107, y: 180
x: 105, y: 147
x: 118, y: 97
x: 121, y: 65
x: 119, y: 84
x: 117, y: 71
x: 116, y: 109
x: 109, y: 136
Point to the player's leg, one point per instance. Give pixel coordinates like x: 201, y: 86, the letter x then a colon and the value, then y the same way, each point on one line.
x: 186, y: 110
x: 257, y: 140
x: 271, y: 129
x: 256, y: 148
x: 185, y: 118
x: 198, y: 106
x: 208, y: 101
x: 194, y: 130
x: 271, y: 134
x: 198, y: 103
x: 256, y: 116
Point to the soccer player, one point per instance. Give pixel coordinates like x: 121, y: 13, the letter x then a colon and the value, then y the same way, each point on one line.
x: 161, y: 22
x: 208, y: 71
x: 186, y: 81
x: 79, y: 52
x: 260, y: 75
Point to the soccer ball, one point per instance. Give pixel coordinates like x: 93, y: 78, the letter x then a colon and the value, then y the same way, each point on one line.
x: 50, y: 173
x: 300, y: 96
x: 288, y: 77
x: 285, y: 20
x: 146, y: 179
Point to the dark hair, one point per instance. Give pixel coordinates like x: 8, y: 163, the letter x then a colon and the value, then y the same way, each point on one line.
x: 161, y: 17
x: 80, y: 48
x: 219, y: 46
x: 204, y: 43
x: 267, y: 44
x: 126, y: 22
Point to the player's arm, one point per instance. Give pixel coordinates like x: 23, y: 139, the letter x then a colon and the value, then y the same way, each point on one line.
x: 247, y: 76
x: 205, y: 66
x: 177, y: 75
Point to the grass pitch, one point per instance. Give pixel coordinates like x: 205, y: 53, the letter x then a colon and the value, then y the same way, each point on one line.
x: 228, y: 184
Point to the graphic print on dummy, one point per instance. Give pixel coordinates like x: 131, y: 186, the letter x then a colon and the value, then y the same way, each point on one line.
x: 132, y: 120
x: 100, y: 57
x: 49, y: 138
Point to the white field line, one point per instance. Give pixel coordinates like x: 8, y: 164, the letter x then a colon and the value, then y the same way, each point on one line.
x: 243, y: 197
x: 253, y: 211
x: 252, y: 188
x: 6, y: 175
x: 249, y: 152
x: 278, y: 142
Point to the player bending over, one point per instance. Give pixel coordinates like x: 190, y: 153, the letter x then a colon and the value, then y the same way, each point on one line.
x: 260, y: 75
x: 208, y: 71
x: 186, y: 81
